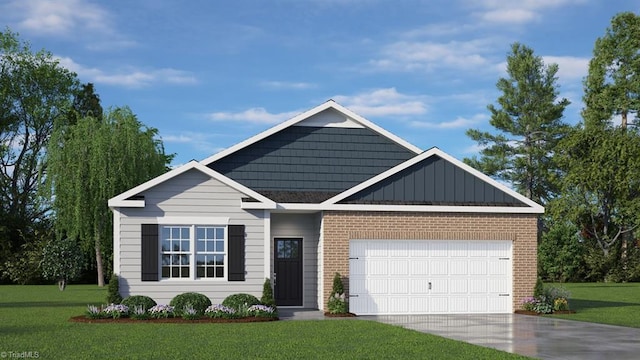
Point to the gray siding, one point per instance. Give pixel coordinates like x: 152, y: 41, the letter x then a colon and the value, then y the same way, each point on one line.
x: 434, y: 181
x: 307, y: 227
x: 191, y: 194
x: 303, y: 158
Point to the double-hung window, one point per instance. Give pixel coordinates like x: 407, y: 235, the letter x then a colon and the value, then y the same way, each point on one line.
x: 193, y: 252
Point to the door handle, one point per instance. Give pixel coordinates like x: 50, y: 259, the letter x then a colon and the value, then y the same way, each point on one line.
x: 274, y: 279
x: 429, y: 285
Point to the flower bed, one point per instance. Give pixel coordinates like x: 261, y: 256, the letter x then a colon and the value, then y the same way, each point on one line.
x: 169, y: 314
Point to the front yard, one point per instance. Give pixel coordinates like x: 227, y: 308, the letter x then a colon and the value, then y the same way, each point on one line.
x: 34, y: 323
x: 606, y: 303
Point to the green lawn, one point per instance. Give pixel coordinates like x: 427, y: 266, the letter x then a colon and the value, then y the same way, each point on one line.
x: 606, y: 303
x: 35, y: 319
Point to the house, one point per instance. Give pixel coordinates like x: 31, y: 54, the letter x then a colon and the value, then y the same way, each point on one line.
x: 410, y: 231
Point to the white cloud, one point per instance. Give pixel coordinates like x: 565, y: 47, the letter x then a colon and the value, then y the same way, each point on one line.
x: 202, y: 142
x: 61, y: 17
x: 516, y: 12
x: 130, y: 77
x: 432, y: 56
x: 288, y: 85
x: 255, y: 115
x: 570, y: 68
x: 459, y: 122
x: 384, y: 102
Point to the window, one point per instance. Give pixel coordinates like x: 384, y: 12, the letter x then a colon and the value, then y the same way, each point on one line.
x: 184, y: 247
x: 210, y: 247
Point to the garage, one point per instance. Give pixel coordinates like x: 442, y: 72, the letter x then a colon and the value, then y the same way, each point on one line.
x: 430, y: 277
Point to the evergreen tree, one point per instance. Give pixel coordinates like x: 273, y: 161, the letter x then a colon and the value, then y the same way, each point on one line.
x: 528, y: 124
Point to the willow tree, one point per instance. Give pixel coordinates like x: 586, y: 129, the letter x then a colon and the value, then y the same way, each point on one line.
x: 528, y: 125
x: 92, y: 161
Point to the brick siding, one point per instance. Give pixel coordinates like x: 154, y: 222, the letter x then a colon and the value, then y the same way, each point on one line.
x: 340, y: 227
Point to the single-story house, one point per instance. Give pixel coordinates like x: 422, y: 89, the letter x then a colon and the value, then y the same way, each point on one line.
x: 410, y: 231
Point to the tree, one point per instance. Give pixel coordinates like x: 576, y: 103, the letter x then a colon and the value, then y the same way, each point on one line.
x: 560, y: 254
x: 85, y: 103
x: 92, y: 161
x: 35, y: 93
x: 528, y: 120
x: 601, y: 192
x: 612, y: 86
x: 62, y: 260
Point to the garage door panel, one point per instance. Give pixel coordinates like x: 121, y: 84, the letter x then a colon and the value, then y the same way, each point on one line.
x: 458, y: 286
x: 419, y: 267
x: 438, y: 267
x: 400, y: 286
x: 377, y: 267
x: 419, y: 286
x: 399, y: 268
x: 427, y: 276
x: 458, y: 267
x: 377, y: 286
x: 419, y: 305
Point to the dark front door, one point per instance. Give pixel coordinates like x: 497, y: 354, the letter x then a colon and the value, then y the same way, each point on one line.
x: 288, y: 271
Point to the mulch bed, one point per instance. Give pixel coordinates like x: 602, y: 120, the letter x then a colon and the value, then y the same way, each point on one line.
x: 328, y: 314
x: 527, y: 312
x: 176, y: 320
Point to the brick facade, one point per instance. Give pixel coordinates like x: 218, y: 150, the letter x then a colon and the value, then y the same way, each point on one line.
x: 340, y: 227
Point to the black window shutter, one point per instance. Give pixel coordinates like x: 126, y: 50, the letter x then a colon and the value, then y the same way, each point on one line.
x: 236, y: 252
x: 150, y: 252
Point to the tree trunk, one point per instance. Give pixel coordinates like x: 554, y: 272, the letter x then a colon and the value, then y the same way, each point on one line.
x: 99, y: 263
x: 62, y: 284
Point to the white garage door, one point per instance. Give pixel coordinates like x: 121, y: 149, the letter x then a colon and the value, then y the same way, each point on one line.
x: 429, y: 277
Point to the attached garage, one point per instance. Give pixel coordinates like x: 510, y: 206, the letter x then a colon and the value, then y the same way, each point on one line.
x: 430, y: 276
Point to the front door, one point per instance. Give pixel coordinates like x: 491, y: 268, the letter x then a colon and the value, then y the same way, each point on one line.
x: 288, y: 271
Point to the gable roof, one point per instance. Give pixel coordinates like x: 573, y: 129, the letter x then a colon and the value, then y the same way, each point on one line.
x: 484, y: 192
x: 329, y: 104
x: 127, y: 198
x: 313, y: 156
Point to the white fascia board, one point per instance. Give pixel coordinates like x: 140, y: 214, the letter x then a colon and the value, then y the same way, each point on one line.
x: 252, y: 205
x: 534, y: 207
x: 121, y: 200
x: 412, y: 208
x: 303, y: 116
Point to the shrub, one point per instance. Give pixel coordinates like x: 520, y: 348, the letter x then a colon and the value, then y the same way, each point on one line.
x: 190, y: 313
x: 139, y: 300
x: 162, y: 311
x: 560, y: 304
x: 267, y: 294
x: 198, y: 301
x: 94, y: 312
x: 240, y: 301
x: 337, y: 303
x: 262, y: 311
x: 528, y: 303
x: 220, y: 312
x: 542, y: 306
x: 139, y: 313
x: 113, y: 291
x: 116, y: 311
x: 538, y: 289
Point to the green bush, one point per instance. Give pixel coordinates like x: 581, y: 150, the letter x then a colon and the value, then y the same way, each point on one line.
x: 538, y: 289
x: 113, y: 291
x: 267, y: 294
x: 240, y: 302
x: 198, y: 301
x: 337, y: 303
x: 142, y: 301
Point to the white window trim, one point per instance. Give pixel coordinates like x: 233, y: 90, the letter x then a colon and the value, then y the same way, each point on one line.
x: 193, y: 252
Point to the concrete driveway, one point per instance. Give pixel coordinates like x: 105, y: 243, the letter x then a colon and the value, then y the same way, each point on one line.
x: 534, y: 336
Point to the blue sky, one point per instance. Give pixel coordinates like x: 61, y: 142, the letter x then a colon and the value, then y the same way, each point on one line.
x: 209, y: 74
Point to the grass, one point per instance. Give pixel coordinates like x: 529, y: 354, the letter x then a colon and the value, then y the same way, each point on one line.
x: 35, y: 319
x: 605, y: 303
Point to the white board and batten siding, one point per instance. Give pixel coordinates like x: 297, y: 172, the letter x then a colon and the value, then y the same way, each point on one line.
x: 189, y: 195
x: 430, y: 277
